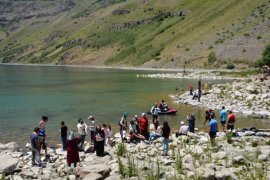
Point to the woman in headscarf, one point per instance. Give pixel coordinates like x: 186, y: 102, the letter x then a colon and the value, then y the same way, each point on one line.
x: 73, y: 149
x: 99, y: 141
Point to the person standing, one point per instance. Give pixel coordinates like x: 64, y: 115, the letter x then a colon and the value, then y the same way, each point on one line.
x: 81, y: 126
x: 63, y: 131
x: 109, y: 133
x: 154, y: 112
x: 92, y: 128
x: 191, y: 122
x: 143, y: 123
x: 136, y: 122
x: 42, y: 136
x: 213, y: 127
x: 35, y: 146
x: 231, y: 121
x: 223, y: 118
x: 99, y: 141
x: 199, y: 90
x: 166, y: 130
x: 72, y: 149
x: 190, y: 89
x: 123, y: 124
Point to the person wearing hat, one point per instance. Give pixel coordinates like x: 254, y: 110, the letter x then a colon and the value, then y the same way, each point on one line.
x: 183, y: 129
x: 92, y: 128
x: 143, y: 124
x: 123, y: 124
x: 73, y: 149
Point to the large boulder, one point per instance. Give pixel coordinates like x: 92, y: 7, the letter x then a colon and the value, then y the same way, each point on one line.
x: 224, y: 174
x: 187, y: 162
x: 101, y: 169
x: 93, y: 176
x: 7, y: 164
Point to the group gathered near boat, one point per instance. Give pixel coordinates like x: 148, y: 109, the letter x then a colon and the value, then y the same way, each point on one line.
x: 136, y: 130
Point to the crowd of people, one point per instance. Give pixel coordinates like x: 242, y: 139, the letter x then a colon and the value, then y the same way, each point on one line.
x: 135, y: 131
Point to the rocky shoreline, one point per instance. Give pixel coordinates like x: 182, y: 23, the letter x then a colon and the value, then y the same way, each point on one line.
x: 189, y: 157
x: 251, y: 97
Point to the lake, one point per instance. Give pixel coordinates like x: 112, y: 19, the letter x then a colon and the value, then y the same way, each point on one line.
x: 66, y: 93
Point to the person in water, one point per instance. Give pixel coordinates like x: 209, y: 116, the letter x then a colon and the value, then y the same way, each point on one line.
x: 191, y: 122
x: 63, y: 131
x: 231, y: 121
x: 163, y: 106
x: 223, y: 118
x: 154, y: 112
x: 73, y: 149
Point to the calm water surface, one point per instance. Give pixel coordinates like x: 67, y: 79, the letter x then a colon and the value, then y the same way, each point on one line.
x: 69, y: 93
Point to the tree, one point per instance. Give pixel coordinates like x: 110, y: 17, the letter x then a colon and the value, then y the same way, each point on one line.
x: 265, y: 60
x: 212, y: 58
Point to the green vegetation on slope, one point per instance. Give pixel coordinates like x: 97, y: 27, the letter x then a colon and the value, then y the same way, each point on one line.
x: 134, y: 33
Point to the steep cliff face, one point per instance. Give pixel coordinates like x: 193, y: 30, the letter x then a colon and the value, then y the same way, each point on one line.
x: 134, y: 32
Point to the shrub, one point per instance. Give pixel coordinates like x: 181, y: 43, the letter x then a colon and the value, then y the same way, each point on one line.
x: 121, y: 149
x: 212, y: 58
x: 230, y: 65
x: 265, y: 60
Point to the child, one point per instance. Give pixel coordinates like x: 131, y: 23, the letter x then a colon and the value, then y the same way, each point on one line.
x: 35, y: 148
x: 109, y: 134
x: 104, y: 129
x: 72, y: 149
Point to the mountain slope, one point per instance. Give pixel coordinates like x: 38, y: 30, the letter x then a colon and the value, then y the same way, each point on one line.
x: 149, y: 33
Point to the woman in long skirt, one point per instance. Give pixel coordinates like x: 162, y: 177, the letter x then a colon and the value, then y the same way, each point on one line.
x: 72, y: 149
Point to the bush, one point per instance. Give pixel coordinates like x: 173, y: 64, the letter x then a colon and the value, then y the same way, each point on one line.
x: 230, y: 65
x: 212, y: 58
x: 265, y: 60
x: 121, y: 149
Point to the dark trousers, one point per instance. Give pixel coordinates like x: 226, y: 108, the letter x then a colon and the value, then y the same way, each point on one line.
x: 64, y: 142
x: 92, y: 136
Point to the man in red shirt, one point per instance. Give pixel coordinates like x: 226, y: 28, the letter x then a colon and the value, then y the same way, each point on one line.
x: 231, y: 121
x: 143, y: 123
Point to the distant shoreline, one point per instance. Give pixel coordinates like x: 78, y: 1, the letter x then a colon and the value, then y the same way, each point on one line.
x: 126, y: 68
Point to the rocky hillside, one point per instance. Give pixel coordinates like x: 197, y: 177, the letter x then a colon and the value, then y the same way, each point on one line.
x: 148, y: 33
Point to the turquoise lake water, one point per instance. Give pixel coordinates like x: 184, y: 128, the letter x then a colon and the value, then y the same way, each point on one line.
x: 69, y: 93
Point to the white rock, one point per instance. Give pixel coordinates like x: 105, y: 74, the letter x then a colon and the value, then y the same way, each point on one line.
x: 224, y: 174
x: 7, y: 164
x: 238, y: 159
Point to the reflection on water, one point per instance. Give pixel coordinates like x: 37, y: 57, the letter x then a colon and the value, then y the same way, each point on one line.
x: 68, y: 93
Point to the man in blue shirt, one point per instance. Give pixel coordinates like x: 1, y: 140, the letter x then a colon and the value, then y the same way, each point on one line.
x: 223, y: 118
x: 213, y: 127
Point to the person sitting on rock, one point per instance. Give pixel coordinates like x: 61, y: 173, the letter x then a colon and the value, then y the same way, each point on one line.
x: 156, y: 134
x: 183, y: 129
x: 135, y: 137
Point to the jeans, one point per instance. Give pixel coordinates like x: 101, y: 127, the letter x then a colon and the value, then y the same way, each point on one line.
x: 64, y: 142
x: 36, y: 157
x: 154, y: 136
x: 92, y: 137
x: 80, y: 145
x: 165, y: 145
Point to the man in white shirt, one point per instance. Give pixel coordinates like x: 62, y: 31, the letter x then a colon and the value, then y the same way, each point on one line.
x: 183, y: 129
x: 82, y: 127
